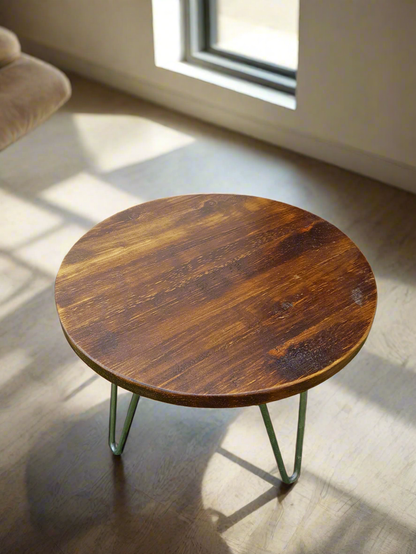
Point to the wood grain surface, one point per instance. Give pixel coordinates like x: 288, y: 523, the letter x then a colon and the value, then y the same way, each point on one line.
x: 215, y: 300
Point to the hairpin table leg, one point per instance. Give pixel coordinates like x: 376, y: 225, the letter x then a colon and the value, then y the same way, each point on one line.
x: 299, y: 440
x: 117, y: 448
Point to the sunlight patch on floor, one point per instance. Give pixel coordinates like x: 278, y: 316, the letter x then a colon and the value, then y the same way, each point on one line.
x: 18, y: 284
x: 47, y: 253
x: 13, y: 363
x: 23, y: 221
x: 114, y: 141
x: 89, y: 196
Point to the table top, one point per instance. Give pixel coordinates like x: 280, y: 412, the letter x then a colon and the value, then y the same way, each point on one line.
x: 215, y: 300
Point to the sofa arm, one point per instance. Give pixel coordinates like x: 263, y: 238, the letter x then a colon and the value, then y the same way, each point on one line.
x: 9, y: 47
x: 30, y: 91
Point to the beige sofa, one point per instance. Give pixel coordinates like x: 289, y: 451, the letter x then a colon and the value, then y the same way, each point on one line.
x: 30, y: 90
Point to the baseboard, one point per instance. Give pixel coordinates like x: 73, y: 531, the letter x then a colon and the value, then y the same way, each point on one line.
x: 365, y: 163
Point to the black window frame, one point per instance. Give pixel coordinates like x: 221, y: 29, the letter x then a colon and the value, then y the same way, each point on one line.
x: 200, y: 19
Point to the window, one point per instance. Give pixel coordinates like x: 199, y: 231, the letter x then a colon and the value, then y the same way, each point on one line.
x: 256, y: 41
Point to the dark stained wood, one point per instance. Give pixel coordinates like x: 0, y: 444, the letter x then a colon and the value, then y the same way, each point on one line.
x: 215, y: 300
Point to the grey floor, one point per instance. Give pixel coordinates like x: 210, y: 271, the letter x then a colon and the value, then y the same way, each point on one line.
x: 193, y: 480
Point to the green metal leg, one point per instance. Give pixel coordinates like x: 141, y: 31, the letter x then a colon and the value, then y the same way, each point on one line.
x: 299, y: 440
x: 117, y: 448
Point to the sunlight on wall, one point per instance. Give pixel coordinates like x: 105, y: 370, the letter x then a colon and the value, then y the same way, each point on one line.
x: 89, y: 196
x: 115, y: 141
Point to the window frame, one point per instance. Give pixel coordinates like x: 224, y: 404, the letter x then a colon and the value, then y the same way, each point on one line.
x: 200, y: 20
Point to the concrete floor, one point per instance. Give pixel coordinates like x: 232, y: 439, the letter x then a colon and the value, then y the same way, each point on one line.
x: 193, y: 481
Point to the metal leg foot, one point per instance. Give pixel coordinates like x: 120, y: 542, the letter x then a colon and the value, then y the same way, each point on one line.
x: 299, y: 440
x: 117, y: 448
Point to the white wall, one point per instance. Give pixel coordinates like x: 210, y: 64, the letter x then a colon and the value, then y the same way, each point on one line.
x: 356, y: 101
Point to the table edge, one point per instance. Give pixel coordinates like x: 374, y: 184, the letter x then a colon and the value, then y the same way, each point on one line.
x: 235, y: 400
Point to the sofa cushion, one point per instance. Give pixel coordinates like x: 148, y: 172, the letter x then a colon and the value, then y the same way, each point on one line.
x: 9, y: 47
x: 30, y: 91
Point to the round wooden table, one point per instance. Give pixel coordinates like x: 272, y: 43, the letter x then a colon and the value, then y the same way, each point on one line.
x: 215, y: 301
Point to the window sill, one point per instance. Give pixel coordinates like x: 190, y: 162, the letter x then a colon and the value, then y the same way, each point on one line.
x: 252, y: 90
